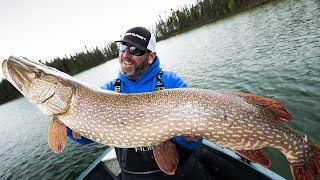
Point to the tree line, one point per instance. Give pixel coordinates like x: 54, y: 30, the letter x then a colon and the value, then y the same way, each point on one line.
x: 178, y: 21
x: 200, y: 13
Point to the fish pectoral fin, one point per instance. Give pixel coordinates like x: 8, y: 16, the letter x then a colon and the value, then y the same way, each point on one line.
x: 257, y: 156
x: 166, y: 156
x: 274, y: 106
x: 57, y: 135
x: 76, y: 135
x: 309, y: 170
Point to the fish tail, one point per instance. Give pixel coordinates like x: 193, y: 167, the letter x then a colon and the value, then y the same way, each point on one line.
x: 309, y: 170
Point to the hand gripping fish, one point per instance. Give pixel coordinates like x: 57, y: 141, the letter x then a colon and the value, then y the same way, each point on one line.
x: 245, y: 123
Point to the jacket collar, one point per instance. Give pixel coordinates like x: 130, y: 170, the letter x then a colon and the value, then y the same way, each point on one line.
x: 150, y: 73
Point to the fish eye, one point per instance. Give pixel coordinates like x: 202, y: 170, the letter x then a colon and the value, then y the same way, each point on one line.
x: 37, y: 73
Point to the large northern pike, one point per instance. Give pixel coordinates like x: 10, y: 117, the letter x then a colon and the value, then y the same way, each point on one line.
x: 245, y: 123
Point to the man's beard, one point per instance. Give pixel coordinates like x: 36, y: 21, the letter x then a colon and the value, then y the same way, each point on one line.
x: 136, y: 70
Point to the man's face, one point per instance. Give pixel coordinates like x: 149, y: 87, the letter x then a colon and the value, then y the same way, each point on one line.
x: 134, y: 66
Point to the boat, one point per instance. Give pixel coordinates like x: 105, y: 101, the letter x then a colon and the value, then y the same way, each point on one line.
x: 222, y: 162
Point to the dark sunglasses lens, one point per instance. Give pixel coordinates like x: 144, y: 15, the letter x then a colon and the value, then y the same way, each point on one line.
x: 133, y: 50
x: 123, y: 47
x: 136, y: 52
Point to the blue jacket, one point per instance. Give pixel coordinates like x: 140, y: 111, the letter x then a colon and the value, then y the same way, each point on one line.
x: 146, y: 83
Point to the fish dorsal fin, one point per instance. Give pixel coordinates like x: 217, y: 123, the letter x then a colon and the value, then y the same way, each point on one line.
x: 257, y: 156
x: 166, y: 156
x: 274, y: 106
x: 57, y: 135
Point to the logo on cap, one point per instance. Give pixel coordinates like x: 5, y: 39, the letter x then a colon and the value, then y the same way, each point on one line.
x: 136, y: 35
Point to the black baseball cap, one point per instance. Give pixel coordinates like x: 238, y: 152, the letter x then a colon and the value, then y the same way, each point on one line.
x: 141, y: 38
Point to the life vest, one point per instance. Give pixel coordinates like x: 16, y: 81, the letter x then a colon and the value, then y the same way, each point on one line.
x: 159, y: 85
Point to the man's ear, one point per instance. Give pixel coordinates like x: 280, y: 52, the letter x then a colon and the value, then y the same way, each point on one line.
x: 152, y: 57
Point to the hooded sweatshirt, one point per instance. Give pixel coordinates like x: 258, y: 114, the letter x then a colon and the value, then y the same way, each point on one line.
x: 147, y: 82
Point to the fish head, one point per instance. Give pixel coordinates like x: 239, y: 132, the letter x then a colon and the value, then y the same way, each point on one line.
x: 43, y: 86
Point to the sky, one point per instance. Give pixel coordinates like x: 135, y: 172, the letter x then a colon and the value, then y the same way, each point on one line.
x: 45, y: 29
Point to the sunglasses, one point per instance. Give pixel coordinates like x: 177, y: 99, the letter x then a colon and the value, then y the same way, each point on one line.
x: 132, y: 49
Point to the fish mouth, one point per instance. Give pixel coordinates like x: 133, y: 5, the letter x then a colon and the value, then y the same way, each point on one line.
x: 12, y: 79
x: 16, y: 72
x: 4, y: 68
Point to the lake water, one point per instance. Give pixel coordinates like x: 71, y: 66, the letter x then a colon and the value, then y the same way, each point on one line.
x: 273, y: 50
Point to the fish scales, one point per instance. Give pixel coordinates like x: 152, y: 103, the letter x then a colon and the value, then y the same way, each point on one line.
x: 216, y: 116
x: 232, y: 120
x: 162, y: 115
